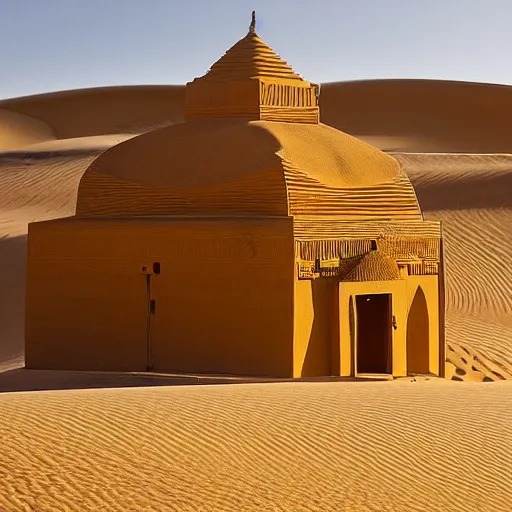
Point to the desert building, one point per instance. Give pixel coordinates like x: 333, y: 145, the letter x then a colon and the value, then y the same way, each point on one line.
x: 249, y: 240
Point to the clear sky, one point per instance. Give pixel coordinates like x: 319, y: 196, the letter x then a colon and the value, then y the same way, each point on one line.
x: 48, y: 45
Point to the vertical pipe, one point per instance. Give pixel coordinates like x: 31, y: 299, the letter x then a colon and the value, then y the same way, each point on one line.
x: 148, y: 322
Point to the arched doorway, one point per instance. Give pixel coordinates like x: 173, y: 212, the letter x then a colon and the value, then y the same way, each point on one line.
x: 418, y: 334
x: 374, y: 334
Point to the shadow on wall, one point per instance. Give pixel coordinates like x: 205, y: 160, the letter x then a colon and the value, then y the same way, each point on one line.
x: 418, y: 334
x: 322, y: 355
x: 12, y: 300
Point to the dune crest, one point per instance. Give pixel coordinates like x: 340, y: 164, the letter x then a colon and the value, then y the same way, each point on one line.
x: 422, y: 116
x: 104, y: 110
x: 19, y: 130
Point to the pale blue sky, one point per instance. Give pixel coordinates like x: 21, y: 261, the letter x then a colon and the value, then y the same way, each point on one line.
x: 48, y: 45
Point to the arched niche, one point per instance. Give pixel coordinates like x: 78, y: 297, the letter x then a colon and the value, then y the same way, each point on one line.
x: 418, y: 334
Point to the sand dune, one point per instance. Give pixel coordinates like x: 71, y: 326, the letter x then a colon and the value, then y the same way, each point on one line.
x: 471, y: 195
x: 18, y: 130
x: 399, y: 446
x: 422, y: 115
x: 402, y: 446
x: 394, y: 115
x: 76, y: 145
x: 104, y: 110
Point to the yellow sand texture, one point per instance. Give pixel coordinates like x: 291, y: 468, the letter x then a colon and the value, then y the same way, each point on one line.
x: 471, y: 195
x: 421, y: 115
x: 394, y: 115
x: 18, y: 130
x: 104, y: 110
x: 367, y: 447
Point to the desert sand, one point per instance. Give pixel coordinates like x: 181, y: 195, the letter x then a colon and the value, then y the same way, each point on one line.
x: 17, y: 130
x: 471, y: 195
x: 399, y: 446
x: 405, y: 445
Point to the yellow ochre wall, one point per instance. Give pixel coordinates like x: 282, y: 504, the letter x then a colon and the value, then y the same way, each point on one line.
x: 415, y: 306
x: 316, y: 345
x: 323, y: 338
x: 224, y: 298
x: 423, y: 324
x: 347, y: 292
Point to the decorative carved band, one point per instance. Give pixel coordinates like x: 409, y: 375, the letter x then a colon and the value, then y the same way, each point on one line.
x: 331, y: 257
x: 423, y: 268
x: 277, y: 95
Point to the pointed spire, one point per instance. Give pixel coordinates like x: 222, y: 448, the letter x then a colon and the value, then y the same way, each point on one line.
x: 252, y: 26
x: 251, y: 81
x: 251, y: 58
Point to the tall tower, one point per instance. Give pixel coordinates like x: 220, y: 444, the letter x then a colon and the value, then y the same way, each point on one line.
x: 251, y: 81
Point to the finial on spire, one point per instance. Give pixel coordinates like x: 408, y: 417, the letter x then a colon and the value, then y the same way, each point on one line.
x: 252, y: 26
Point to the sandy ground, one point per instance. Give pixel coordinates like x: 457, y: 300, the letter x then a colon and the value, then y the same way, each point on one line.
x: 400, y: 446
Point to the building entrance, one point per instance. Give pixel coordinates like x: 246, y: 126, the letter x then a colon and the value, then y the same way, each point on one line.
x: 374, y: 334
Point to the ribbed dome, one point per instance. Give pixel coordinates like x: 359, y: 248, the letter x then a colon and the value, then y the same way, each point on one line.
x: 251, y: 57
x: 235, y: 167
x: 373, y: 266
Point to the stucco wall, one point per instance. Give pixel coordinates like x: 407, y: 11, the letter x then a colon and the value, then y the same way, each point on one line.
x: 415, y: 306
x: 316, y: 338
x: 347, y: 292
x: 423, y: 324
x: 224, y: 298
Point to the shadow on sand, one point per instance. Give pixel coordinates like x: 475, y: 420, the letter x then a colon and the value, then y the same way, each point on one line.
x: 22, y: 379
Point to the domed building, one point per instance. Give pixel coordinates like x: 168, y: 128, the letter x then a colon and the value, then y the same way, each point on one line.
x: 249, y: 240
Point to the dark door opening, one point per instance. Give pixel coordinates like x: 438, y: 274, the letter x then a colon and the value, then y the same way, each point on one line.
x: 150, y: 271
x: 374, y: 334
